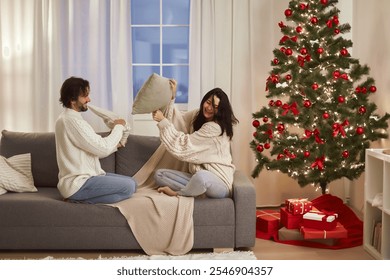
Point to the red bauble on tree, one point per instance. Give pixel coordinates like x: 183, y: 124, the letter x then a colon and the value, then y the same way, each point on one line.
x: 256, y: 123
x: 344, y: 52
x: 288, y: 12
x: 314, y: 20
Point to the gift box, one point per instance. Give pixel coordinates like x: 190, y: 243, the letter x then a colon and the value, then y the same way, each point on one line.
x: 290, y: 220
x: 285, y: 234
x: 298, y: 206
x: 311, y: 233
x: 319, y: 220
x: 267, y: 221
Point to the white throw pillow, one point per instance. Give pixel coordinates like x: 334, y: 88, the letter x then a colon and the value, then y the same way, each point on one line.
x: 154, y: 94
x: 15, y: 174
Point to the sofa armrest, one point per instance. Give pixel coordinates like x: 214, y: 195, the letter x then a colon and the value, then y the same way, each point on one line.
x: 244, y: 197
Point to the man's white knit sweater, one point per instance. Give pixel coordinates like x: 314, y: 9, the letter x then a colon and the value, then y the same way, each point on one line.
x: 203, y: 149
x: 78, y: 150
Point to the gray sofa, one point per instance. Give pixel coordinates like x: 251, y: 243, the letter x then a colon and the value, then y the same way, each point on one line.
x: 41, y: 220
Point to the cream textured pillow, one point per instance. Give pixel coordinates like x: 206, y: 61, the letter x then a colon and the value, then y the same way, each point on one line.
x: 154, y: 94
x: 15, y: 174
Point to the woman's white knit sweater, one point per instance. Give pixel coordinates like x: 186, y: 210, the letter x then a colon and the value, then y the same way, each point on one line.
x: 203, y: 149
x: 79, y: 148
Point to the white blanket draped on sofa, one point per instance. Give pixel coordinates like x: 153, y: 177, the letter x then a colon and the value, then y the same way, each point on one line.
x: 161, y: 224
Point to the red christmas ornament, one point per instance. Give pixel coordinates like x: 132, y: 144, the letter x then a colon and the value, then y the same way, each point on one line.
x: 280, y: 127
x: 344, y: 52
x: 299, y: 29
x: 341, y: 99
x: 288, y: 12
x: 314, y: 86
x: 314, y: 20
x: 306, y: 154
x: 364, y: 90
x: 325, y: 115
x: 288, y: 51
x: 303, y: 51
x: 335, y: 20
x: 324, y: 2
x: 282, y: 49
x: 302, y: 6
x: 278, y: 103
x: 362, y: 110
x: 276, y: 61
x: 345, y: 154
x: 336, y: 31
x: 336, y: 74
x: 288, y: 77
x: 359, y: 130
x: 267, y: 145
x: 320, y: 50
x: 271, y: 103
x: 280, y: 156
x: 307, y: 103
x: 372, y: 89
x: 256, y: 123
x: 254, y: 134
x: 265, y: 119
x: 260, y: 148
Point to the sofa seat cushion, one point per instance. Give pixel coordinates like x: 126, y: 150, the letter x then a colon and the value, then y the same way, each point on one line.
x: 46, y: 208
x: 42, y: 220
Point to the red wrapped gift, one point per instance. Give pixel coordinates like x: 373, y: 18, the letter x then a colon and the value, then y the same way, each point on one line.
x: 311, y: 233
x: 320, y: 220
x: 289, y: 220
x: 298, y: 206
x: 267, y: 221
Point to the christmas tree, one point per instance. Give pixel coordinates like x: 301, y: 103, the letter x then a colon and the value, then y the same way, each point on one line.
x: 319, y: 120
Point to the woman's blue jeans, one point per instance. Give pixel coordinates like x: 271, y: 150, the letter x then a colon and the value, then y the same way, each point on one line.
x: 109, y: 188
x: 186, y: 184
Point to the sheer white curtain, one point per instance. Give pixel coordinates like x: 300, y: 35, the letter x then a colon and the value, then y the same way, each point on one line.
x: 231, y: 47
x: 43, y: 42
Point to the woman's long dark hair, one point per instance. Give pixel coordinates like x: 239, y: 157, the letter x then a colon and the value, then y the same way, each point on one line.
x: 224, y: 116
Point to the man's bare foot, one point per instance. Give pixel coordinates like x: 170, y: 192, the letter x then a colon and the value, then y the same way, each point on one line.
x: 167, y: 190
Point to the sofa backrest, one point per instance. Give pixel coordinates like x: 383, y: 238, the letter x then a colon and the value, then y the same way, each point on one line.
x: 135, y: 154
x: 41, y: 146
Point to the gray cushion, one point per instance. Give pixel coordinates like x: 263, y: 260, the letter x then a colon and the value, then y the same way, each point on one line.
x: 133, y: 156
x: 41, y: 146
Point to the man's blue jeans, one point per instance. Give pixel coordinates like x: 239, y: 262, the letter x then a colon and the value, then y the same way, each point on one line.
x: 109, y: 188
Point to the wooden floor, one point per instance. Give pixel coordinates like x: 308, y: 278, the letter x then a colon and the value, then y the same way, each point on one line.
x: 264, y: 250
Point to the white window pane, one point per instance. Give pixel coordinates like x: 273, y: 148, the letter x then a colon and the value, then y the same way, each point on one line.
x: 145, y: 11
x: 146, y: 44
x: 180, y: 74
x: 175, y: 45
x: 176, y: 11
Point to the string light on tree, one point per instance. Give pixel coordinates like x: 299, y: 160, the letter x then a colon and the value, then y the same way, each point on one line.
x: 319, y: 104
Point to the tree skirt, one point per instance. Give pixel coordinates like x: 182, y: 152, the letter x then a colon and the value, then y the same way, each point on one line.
x: 346, y: 217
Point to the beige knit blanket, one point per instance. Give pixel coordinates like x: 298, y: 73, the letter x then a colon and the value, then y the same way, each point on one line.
x: 161, y: 224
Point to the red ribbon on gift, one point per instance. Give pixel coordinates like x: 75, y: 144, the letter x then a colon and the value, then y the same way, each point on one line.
x: 339, y: 128
x: 292, y: 107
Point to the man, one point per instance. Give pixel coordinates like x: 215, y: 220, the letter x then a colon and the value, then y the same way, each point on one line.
x: 79, y: 147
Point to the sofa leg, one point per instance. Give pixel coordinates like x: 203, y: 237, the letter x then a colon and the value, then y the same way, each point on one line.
x: 223, y: 250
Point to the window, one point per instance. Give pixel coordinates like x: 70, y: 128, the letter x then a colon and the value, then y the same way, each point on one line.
x: 160, y: 42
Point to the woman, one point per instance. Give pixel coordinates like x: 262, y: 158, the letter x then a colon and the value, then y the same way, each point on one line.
x: 206, y: 149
